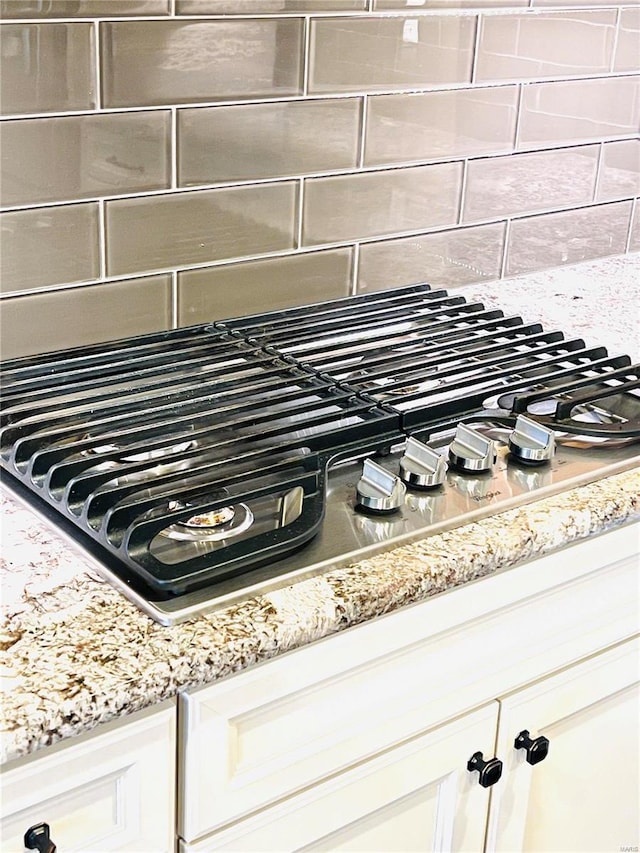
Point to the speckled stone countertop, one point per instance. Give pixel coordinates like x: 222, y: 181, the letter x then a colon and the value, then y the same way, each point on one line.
x: 75, y: 653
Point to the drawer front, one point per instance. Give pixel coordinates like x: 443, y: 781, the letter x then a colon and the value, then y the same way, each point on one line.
x: 113, y: 790
x: 267, y: 732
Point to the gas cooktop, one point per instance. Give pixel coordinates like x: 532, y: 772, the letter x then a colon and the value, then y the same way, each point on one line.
x: 203, y: 465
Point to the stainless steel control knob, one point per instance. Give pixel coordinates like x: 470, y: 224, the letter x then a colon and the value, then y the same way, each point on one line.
x: 378, y: 490
x: 470, y: 451
x: 422, y: 467
x: 531, y: 443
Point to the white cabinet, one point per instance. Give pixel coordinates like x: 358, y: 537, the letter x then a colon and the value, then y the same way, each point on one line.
x: 585, y: 795
x: 109, y: 790
x: 332, y: 747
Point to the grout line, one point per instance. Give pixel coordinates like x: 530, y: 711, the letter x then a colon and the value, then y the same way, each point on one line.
x: 364, y: 118
x: 463, y: 189
x: 635, y: 212
x: 306, y: 56
x: 616, y: 32
x: 519, y: 103
x: 102, y: 239
x: 172, y: 8
x: 97, y: 70
x: 476, y: 48
x: 174, y: 299
x: 301, y: 190
x: 505, y: 250
x: 596, y: 183
x: 173, y: 152
x: 355, y: 270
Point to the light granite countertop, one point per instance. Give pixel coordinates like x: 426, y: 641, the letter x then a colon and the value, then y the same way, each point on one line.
x: 75, y: 653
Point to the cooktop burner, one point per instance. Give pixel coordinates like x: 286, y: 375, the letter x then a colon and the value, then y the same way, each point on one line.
x: 193, y: 465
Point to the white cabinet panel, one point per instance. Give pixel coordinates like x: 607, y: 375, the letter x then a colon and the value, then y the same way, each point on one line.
x: 418, y: 796
x: 110, y: 791
x: 585, y: 795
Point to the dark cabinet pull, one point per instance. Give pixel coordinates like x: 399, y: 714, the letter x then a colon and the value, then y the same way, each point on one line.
x: 488, y: 771
x: 38, y: 837
x: 537, y: 748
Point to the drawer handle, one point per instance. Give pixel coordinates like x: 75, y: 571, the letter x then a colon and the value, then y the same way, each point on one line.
x: 488, y: 771
x: 38, y: 837
x: 537, y: 748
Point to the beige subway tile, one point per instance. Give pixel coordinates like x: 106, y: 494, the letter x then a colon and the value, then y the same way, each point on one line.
x: 375, y: 204
x: 634, y: 235
x: 413, y: 5
x: 46, y: 68
x: 398, y: 52
x: 504, y: 186
x: 245, y: 142
x: 41, y: 322
x: 540, y: 3
x: 628, y: 47
x: 81, y: 8
x: 445, y: 259
x: 161, y: 232
x: 165, y: 62
x: 456, y: 123
x: 248, y: 288
x: 545, y: 45
x: 253, y: 7
x: 74, y: 157
x: 579, y: 111
x: 556, y: 239
x: 619, y: 170
x: 48, y: 245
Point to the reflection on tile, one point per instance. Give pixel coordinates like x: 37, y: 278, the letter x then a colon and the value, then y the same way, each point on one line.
x: 164, y: 62
x: 445, y: 259
x: 49, y: 245
x: 567, y: 238
x: 520, y: 183
x: 41, y: 322
x: 619, y: 170
x: 267, y: 140
x: 579, y: 110
x: 634, y: 236
x: 546, y: 45
x: 374, y: 204
x: 370, y: 54
x: 81, y: 8
x: 191, y: 228
x: 57, y: 159
x: 628, y: 46
x: 46, y: 67
x: 252, y: 7
x: 255, y: 286
x: 457, y: 123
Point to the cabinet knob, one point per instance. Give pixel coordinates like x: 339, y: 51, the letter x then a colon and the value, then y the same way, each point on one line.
x: 537, y: 748
x: 38, y: 837
x: 489, y: 771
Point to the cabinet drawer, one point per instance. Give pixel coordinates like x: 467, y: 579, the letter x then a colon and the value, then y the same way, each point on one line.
x: 257, y: 737
x: 110, y: 790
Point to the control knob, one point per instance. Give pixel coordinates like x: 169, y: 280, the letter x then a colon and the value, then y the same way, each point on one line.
x: 378, y: 490
x: 531, y: 443
x: 471, y: 452
x: 422, y: 467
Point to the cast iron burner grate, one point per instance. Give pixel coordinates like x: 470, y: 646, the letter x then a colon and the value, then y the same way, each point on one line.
x: 185, y: 458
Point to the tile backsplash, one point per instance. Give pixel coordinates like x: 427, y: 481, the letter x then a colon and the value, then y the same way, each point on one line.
x: 169, y: 162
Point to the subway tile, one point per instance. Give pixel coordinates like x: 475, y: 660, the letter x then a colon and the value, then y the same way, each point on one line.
x: 545, y: 45
x: 81, y: 8
x: 540, y: 3
x: 191, y: 228
x: 520, y: 183
x: 375, y: 204
x: 49, y: 245
x: 579, y: 111
x: 619, y: 170
x: 628, y: 47
x: 556, y: 239
x: 399, y: 52
x: 41, y: 322
x: 74, y: 157
x: 634, y: 235
x: 248, y: 288
x: 253, y: 7
x: 445, y: 259
x: 245, y: 142
x: 46, y: 68
x: 456, y: 123
x: 414, y: 5
x: 165, y: 62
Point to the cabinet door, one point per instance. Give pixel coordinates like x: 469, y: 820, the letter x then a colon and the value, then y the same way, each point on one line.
x: 415, y: 797
x: 584, y: 796
x: 111, y: 790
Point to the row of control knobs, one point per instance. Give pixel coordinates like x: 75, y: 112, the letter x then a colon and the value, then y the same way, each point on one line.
x: 422, y: 467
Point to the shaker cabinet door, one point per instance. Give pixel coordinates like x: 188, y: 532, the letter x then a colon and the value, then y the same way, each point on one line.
x: 418, y: 796
x: 584, y: 794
